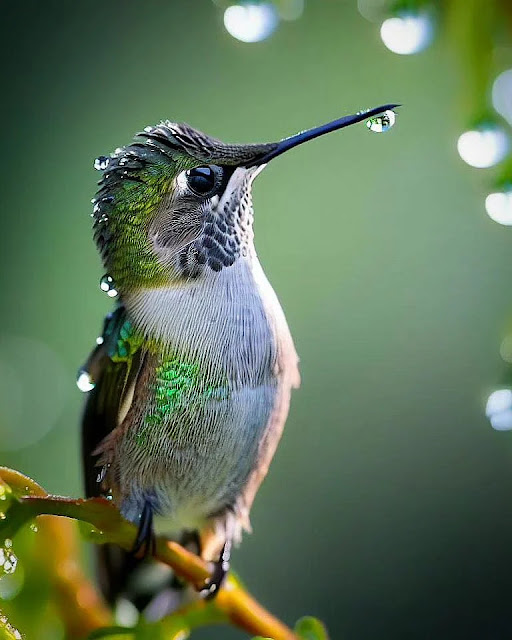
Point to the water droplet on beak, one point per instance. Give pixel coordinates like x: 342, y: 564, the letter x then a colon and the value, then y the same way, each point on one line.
x: 382, y: 122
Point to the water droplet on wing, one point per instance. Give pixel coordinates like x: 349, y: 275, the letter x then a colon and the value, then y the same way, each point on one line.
x: 84, y: 381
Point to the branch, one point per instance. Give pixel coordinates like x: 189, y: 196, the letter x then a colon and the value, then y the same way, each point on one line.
x: 23, y: 500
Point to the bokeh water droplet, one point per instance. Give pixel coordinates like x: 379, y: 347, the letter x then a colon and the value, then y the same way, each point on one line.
x: 484, y: 146
x: 107, y: 285
x: 84, y: 381
x: 29, y: 412
x: 499, y: 206
x: 502, y: 95
x: 251, y: 21
x: 101, y: 163
x: 290, y: 9
x: 11, y: 583
x: 499, y: 409
x: 408, y: 32
x: 382, y: 122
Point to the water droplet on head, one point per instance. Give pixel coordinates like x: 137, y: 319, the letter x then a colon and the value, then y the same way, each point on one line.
x: 33, y: 527
x: 84, y: 381
x: 382, y: 122
x: 107, y: 285
x: 101, y: 163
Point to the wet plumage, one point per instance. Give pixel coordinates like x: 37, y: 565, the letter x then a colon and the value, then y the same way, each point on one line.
x: 194, y: 373
x: 194, y: 369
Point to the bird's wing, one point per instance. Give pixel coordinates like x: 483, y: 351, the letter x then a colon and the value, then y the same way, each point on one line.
x: 114, y: 366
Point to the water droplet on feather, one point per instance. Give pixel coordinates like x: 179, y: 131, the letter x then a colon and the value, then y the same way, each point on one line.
x: 101, y: 163
x: 107, y: 285
x: 84, y: 381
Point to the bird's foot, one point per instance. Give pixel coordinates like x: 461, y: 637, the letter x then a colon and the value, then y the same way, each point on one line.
x: 220, y: 570
x: 145, y: 541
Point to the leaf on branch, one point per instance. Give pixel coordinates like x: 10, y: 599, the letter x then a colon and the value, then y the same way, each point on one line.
x: 309, y: 628
x: 22, y: 500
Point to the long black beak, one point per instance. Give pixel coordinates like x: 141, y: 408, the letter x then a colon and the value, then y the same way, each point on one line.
x: 304, y: 136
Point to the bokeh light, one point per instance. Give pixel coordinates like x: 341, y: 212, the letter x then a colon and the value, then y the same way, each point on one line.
x: 34, y: 389
x: 407, y: 33
x: 506, y: 348
x: 499, y: 409
x: 502, y: 95
x: 483, y: 147
x: 372, y: 10
x: 251, y: 22
x: 290, y: 9
x: 499, y: 206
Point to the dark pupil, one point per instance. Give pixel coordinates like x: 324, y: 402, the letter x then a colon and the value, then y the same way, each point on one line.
x: 201, y: 180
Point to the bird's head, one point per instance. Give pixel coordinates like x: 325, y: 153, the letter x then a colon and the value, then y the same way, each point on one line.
x: 175, y: 204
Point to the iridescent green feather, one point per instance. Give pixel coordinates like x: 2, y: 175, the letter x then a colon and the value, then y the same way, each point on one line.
x: 131, y: 193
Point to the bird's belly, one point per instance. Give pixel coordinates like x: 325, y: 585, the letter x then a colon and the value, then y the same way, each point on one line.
x: 192, y: 459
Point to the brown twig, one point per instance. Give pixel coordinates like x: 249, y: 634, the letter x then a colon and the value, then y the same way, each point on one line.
x: 28, y: 500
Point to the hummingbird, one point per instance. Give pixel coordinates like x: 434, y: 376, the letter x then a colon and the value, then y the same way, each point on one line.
x: 189, y: 383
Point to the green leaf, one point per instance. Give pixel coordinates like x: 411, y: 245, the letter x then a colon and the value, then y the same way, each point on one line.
x: 173, y: 627
x: 310, y: 628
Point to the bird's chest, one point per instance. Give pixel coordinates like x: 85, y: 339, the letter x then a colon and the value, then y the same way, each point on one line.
x: 197, y: 439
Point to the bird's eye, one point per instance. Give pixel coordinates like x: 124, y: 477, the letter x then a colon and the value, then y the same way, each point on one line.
x: 204, y: 181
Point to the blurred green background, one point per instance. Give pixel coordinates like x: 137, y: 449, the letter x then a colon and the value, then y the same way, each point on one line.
x: 387, y: 512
